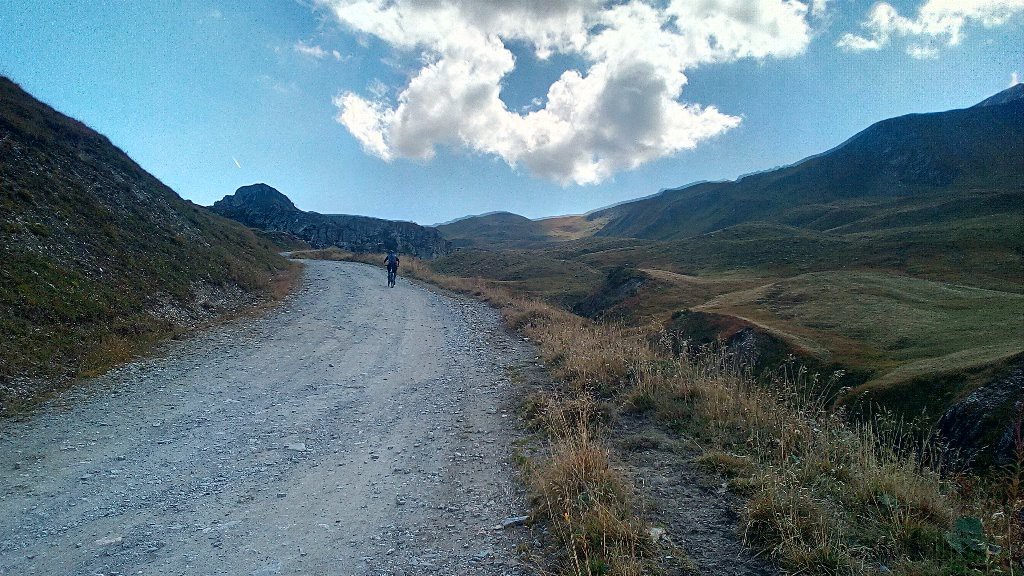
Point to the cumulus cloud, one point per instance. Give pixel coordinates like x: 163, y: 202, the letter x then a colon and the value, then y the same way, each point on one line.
x: 623, y: 107
x: 314, y: 51
x: 938, y: 24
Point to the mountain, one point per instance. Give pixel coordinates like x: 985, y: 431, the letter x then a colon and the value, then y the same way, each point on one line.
x: 263, y: 207
x: 894, y: 259
x: 495, y: 228
x: 910, y: 170
x: 948, y: 164
x: 508, y: 230
x: 1012, y: 94
x: 97, y: 257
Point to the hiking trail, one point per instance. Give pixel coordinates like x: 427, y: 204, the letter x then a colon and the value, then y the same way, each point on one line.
x: 355, y: 429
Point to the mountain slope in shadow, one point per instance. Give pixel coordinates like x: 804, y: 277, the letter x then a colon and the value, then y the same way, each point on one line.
x: 98, y: 258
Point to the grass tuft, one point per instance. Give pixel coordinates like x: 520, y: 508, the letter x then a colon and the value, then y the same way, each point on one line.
x: 825, y: 494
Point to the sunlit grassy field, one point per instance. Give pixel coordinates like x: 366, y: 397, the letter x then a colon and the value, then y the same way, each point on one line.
x: 920, y: 313
x: 823, y: 494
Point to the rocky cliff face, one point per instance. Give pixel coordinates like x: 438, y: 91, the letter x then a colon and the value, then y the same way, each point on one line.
x: 261, y: 206
x: 988, y: 420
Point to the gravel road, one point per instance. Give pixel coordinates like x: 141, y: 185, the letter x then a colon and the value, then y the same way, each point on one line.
x: 355, y: 429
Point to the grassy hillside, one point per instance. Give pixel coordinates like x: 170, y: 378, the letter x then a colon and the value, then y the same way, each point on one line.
x: 560, y: 281
x: 822, y: 494
x: 893, y: 307
x: 961, y: 157
x: 497, y: 228
x: 507, y: 230
x: 896, y: 257
x: 97, y: 257
x: 899, y: 328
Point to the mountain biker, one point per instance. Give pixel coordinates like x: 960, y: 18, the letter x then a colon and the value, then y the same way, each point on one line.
x: 391, y: 261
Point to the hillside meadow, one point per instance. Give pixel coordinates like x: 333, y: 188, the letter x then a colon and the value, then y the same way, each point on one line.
x: 823, y: 493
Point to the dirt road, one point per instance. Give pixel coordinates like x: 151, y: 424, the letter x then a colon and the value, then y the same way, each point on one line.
x: 354, y: 430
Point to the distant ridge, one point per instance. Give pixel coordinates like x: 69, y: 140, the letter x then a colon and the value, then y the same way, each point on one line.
x: 1012, y: 94
x: 263, y: 207
x: 904, y: 164
x: 472, y: 216
x: 910, y: 160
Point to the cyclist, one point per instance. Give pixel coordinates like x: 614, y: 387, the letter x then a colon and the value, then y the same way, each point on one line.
x: 391, y: 261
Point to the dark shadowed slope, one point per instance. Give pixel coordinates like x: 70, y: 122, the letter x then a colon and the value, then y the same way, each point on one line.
x: 263, y: 207
x: 98, y: 257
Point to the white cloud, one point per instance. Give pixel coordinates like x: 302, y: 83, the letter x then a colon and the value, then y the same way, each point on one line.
x: 1014, y: 79
x: 314, y: 51
x: 364, y: 120
x: 819, y: 8
x: 923, y: 51
x: 858, y: 43
x: 938, y: 24
x: 623, y: 107
x: 271, y: 83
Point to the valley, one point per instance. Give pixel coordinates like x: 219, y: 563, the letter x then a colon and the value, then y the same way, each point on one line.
x: 813, y: 369
x: 897, y: 257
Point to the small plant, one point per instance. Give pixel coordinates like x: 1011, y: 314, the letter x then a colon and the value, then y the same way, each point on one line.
x: 725, y: 464
x: 967, y: 538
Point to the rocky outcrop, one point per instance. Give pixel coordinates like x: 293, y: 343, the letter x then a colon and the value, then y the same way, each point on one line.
x: 621, y: 284
x: 261, y: 206
x: 988, y: 420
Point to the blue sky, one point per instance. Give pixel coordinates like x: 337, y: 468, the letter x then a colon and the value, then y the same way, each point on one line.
x: 428, y: 110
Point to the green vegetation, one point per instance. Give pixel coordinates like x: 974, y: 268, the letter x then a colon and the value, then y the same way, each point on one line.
x: 561, y: 281
x: 892, y: 262
x: 914, y: 315
x: 824, y: 494
x: 100, y: 259
x: 498, y: 228
x: 942, y: 166
x: 898, y: 327
x: 506, y: 230
x: 282, y: 241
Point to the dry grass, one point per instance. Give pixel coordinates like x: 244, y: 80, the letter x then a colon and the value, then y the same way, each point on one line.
x: 590, y: 506
x: 825, y: 494
x: 828, y: 495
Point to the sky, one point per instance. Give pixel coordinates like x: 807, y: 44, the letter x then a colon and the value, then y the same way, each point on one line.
x: 429, y: 110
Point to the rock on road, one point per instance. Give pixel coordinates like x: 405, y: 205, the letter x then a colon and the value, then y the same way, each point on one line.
x: 355, y: 429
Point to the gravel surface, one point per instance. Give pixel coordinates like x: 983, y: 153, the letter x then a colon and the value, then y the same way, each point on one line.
x: 356, y: 429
